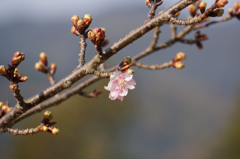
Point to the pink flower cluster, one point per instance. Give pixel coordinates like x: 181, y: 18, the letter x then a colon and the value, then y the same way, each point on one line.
x: 119, y: 84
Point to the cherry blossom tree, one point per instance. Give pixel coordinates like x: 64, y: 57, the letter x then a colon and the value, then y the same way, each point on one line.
x: 202, y: 15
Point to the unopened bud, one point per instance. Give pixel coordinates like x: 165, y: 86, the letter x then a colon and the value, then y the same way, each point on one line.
x: 131, y: 71
x: 199, y: 45
x: 44, y: 128
x: 18, y: 76
x: 15, y: 71
x: 23, y: 79
x: 177, y: 14
x: 74, y: 19
x: 39, y: 66
x: 13, y: 87
x: 178, y: 65
x: 236, y: 6
x: 203, y: 37
x: 6, y: 109
x: 80, y: 25
x: 74, y: 31
x: 125, y: 63
x: 192, y: 10
x: 3, y: 70
x: 179, y: 56
x: 1, y: 104
x: 97, y: 36
x: 87, y: 19
x: 53, y: 68
x: 18, y: 58
x: 221, y: 3
x: 202, y: 6
x: 55, y: 131
x: 217, y: 13
x: 47, y: 115
x: 230, y: 11
x: 147, y: 2
x: 100, y: 35
x: 43, y: 58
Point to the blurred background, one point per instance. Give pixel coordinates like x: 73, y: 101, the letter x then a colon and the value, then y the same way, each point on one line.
x: 177, y: 114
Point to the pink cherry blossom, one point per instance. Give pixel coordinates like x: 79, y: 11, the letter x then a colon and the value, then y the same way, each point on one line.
x: 119, y: 84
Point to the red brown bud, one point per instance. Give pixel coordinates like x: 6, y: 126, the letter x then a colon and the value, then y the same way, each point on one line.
x: 80, y: 25
x: 202, y: 6
x: 236, y: 6
x: 55, y: 131
x: 221, y: 3
x: 43, y: 58
x: 74, y: 30
x: 87, y: 19
x: 44, y: 128
x: 217, y: 13
x: 23, y: 79
x: 230, y: 11
x: 13, y: 87
x: 53, y: 68
x: 178, y: 65
x: 17, y: 58
x: 47, y: 115
x: 131, y: 71
x: 1, y: 104
x: 74, y: 19
x: 97, y: 36
x: 6, y: 108
x: 179, y: 56
x: 3, y: 70
x: 147, y: 2
x: 125, y: 63
x: 199, y: 45
x: 192, y: 10
x: 39, y: 66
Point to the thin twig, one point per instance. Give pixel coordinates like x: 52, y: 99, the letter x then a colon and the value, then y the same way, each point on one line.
x: 94, y: 63
x: 30, y: 131
x: 173, y: 30
x: 83, y: 46
x: 153, y: 67
x: 224, y: 19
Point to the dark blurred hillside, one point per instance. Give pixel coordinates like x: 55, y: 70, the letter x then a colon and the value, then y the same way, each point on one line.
x: 170, y: 114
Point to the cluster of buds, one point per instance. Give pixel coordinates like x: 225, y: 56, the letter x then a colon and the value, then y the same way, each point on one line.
x: 235, y: 10
x: 151, y: 3
x: 193, y: 8
x: 200, y: 37
x: 218, y: 12
x: 48, y: 126
x: 18, y: 57
x: 97, y: 36
x: 5, y: 108
x: 177, y: 60
x: 18, y: 76
x: 11, y: 73
x: 80, y: 25
x: 42, y: 65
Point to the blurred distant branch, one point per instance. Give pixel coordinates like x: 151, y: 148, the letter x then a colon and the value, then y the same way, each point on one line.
x: 120, y: 75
